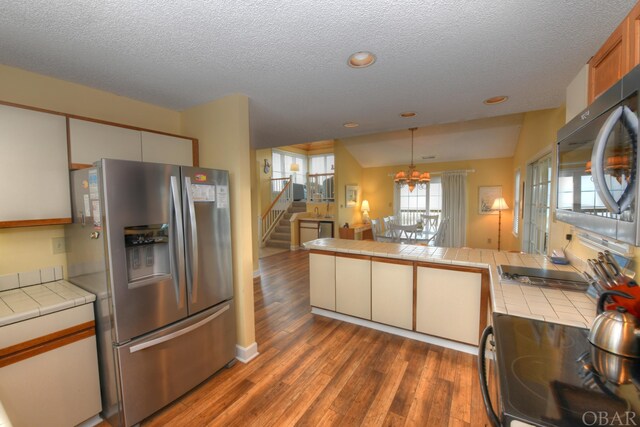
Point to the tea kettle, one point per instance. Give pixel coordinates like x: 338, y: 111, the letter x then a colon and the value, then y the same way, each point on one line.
x: 616, y: 331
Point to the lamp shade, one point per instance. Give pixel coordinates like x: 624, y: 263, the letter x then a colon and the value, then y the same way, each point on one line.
x: 499, y: 204
x: 365, y: 206
x: 295, y: 167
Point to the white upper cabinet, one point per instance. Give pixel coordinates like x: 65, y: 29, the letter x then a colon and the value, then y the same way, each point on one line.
x: 159, y: 148
x: 92, y: 141
x: 34, y: 168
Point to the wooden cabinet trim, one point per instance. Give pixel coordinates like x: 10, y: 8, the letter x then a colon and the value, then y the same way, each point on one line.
x: 34, y: 222
x: 194, y: 141
x: 619, y: 39
x: 25, y: 350
x: 320, y: 252
x: 485, y: 294
x: 353, y: 256
x: 415, y: 296
x: 451, y: 267
x: 633, y: 29
x: 391, y: 260
x: 76, y: 166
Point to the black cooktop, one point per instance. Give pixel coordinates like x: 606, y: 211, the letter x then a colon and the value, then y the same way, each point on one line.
x: 547, y: 376
x: 541, y: 277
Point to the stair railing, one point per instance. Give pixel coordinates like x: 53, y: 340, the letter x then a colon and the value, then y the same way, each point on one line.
x: 278, y: 207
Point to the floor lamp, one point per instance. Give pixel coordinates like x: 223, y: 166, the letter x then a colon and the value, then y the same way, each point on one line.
x: 499, y: 205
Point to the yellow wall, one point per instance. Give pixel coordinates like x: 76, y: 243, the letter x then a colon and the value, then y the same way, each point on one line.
x: 30, y: 247
x: 222, y: 126
x: 348, y: 172
x: 378, y: 187
x: 36, y: 90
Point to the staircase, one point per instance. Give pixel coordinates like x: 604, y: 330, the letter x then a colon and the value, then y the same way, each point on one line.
x: 281, y: 236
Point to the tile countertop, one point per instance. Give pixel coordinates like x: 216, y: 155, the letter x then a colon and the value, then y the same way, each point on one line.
x: 552, y: 305
x: 27, y: 295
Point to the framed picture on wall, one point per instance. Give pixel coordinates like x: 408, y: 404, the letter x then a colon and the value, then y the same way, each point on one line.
x: 351, y: 196
x: 486, y: 196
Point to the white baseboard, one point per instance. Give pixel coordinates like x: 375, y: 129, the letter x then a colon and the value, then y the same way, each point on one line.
x: 247, y: 354
x: 465, y: 348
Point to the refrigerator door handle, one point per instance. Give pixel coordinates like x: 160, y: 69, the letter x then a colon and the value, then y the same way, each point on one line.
x: 176, y: 334
x: 178, y: 261
x: 192, y: 279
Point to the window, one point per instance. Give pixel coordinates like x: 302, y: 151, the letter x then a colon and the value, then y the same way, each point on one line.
x: 411, y: 205
x: 282, y: 161
x: 538, y: 210
x: 321, y: 163
x: 516, y: 203
x: 435, y: 196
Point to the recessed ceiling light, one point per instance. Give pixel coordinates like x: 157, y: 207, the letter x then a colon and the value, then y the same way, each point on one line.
x: 495, y: 100
x: 428, y: 157
x: 351, y: 125
x: 408, y: 114
x: 361, y: 59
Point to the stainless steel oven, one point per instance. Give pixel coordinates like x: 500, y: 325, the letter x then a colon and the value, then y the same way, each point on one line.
x: 598, y: 164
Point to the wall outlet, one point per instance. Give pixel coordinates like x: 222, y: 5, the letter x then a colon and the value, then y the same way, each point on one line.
x: 58, y: 246
x: 489, y: 240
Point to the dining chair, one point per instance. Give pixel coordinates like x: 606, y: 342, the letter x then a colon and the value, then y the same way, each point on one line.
x: 403, y: 233
x: 376, y: 228
x: 430, y: 221
x: 386, y: 220
x: 438, y: 236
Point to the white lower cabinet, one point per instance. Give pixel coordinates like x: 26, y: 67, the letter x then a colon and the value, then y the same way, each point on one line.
x: 49, y: 369
x: 448, y: 303
x: 353, y: 285
x: 322, y: 275
x: 392, y: 292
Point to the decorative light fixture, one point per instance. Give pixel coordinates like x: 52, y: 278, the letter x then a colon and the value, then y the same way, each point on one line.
x: 295, y: 167
x: 364, y: 207
x: 499, y: 205
x: 361, y: 59
x: 411, y: 177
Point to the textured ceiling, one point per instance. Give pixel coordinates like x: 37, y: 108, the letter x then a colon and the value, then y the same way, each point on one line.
x: 488, y: 138
x: 440, y: 58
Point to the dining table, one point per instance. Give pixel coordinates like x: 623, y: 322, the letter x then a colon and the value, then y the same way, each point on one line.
x: 405, y: 234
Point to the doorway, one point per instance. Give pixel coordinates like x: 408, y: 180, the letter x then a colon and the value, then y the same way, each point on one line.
x: 537, y: 207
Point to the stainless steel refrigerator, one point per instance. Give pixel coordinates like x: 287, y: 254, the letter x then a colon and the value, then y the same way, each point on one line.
x: 153, y: 242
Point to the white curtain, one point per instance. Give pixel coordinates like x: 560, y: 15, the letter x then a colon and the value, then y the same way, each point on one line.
x: 454, y: 207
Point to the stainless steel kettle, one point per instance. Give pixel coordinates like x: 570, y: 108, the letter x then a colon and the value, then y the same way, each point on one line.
x: 616, y: 331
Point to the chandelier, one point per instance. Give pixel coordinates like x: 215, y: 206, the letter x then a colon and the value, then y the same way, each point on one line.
x: 411, y: 177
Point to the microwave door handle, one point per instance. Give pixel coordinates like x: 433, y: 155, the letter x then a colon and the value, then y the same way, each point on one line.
x: 178, y: 245
x: 597, y: 162
x: 192, y: 279
x: 630, y: 122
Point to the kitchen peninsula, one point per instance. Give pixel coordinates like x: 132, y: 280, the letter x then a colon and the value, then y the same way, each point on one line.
x: 416, y: 291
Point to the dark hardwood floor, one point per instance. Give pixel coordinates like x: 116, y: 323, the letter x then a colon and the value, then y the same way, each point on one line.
x: 315, y: 371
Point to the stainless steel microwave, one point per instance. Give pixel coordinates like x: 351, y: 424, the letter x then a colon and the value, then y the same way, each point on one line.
x: 598, y: 164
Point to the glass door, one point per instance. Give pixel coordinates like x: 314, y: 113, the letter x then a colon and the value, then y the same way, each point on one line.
x: 538, y: 211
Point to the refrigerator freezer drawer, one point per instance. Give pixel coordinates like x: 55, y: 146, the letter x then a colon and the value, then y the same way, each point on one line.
x: 157, y: 369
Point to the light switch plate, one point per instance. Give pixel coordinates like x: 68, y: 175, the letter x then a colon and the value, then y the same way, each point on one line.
x: 58, y: 245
